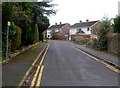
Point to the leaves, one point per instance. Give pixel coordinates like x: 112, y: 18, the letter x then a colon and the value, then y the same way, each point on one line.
x: 102, y: 34
x: 116, y: 24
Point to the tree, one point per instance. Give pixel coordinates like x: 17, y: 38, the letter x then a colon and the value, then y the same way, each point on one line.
x: 30, y: 17
x: 7, y: 10
x: 102, y: 34
x: 116, y: 24
x: 36, y: 34
x: 40, y: 17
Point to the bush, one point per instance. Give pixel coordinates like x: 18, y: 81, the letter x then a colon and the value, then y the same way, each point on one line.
x: 92, y: 43
x: 102, y: 35
x: 81, y: 41
x: 15, y: 37
x: 116, y: 24
x: 36, y: 34
x: 41, y: 37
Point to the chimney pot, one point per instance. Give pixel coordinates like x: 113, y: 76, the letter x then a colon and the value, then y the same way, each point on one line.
x: 55, y: 23
x: 60, y: 22
x: 80, y: 21
x: 87, y: 20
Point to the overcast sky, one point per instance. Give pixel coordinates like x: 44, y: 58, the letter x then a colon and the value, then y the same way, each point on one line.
x: 72, y: 11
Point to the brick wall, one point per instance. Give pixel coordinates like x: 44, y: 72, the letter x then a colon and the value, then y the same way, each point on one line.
x: 94, y: 28
x: 65, y: 29
x: 79, y: 36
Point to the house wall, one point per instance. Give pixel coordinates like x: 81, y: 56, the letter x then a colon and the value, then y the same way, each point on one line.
x: 94, y: 28
x: 73, y: 31
x: 65, y: 29
x: 49, y: 34
x: 85, y: 29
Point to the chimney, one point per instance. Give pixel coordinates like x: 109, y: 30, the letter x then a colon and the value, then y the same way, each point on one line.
x: 80, y: 21
x: 55, y: 23
x: 87, y: 20
x: 60, y: 22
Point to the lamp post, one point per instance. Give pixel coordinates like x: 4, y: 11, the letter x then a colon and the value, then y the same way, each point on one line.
x: 8, y: 25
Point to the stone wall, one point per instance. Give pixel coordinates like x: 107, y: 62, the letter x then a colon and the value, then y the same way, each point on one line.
x: 113, y: 41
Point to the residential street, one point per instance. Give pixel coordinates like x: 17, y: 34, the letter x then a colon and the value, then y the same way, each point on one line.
x: 41, y: 47
x: 66, y: 66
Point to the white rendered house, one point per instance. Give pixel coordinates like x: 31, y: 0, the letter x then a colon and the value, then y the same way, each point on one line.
x: 88, y: 28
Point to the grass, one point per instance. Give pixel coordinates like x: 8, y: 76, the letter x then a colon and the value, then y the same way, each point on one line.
x: 112, y: 53
x: 30, y: 50
x: 34, y: 47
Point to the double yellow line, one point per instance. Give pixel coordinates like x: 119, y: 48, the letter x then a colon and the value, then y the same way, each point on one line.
x: 39, y: 71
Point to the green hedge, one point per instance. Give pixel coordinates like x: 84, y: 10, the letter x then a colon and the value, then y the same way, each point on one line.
x: 36, y: 34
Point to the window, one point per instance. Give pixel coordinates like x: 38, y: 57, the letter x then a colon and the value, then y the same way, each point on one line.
x: 48, y: 35
x: 56, y: 30
x: 88, y: 29
x: 80, y: 31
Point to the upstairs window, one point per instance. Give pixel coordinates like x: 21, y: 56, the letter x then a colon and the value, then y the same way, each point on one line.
x: 88, y: 29
x: 57, y: 30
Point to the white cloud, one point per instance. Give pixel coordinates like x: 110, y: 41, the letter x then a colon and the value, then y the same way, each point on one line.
x: 72, y: 11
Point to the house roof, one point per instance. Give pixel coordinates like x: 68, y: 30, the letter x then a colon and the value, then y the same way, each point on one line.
x: 84, y: 24
x: 57, y: 26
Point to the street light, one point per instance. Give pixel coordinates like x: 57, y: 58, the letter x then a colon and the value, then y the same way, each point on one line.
x: 8, y: 25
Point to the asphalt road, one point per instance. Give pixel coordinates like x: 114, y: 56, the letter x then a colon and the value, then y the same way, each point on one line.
x: 65, y: 66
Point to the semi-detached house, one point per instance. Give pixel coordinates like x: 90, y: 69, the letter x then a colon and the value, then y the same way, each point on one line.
x: 81, y: 29
x: 58, y: 31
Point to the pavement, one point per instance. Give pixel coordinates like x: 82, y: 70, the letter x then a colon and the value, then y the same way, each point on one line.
x: 66, y: 66
x: 112, y: 58
x: 14, y: 71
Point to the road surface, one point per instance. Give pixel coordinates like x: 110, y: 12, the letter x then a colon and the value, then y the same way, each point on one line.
x: 66, y: 66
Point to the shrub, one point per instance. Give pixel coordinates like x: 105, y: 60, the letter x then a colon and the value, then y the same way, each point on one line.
x: 81, y: 41
x: 102, y: 35
x: 15, y: 37
x: 41, y: 37
x: 116, y: 24
x: 36, y: 34
x: 92, y: 43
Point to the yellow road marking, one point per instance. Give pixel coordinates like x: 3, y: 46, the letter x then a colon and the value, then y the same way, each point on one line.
x: 38, y: 68
x: 107, y: 65
x: 113, y: 68
x: 35, y: 76
x: 39, y: 55
x: 44, y: 55
x: 39, y: 77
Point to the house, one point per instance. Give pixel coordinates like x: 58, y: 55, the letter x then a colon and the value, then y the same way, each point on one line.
x: 85, y: 28
x: 58, y: 31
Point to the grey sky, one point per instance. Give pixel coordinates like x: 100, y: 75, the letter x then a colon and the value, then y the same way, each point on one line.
x: 72, y: 11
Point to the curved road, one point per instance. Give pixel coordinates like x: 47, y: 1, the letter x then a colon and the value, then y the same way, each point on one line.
x: 65, y: 66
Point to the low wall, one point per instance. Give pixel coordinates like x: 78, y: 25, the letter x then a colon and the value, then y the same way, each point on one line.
x: 79, y: 36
